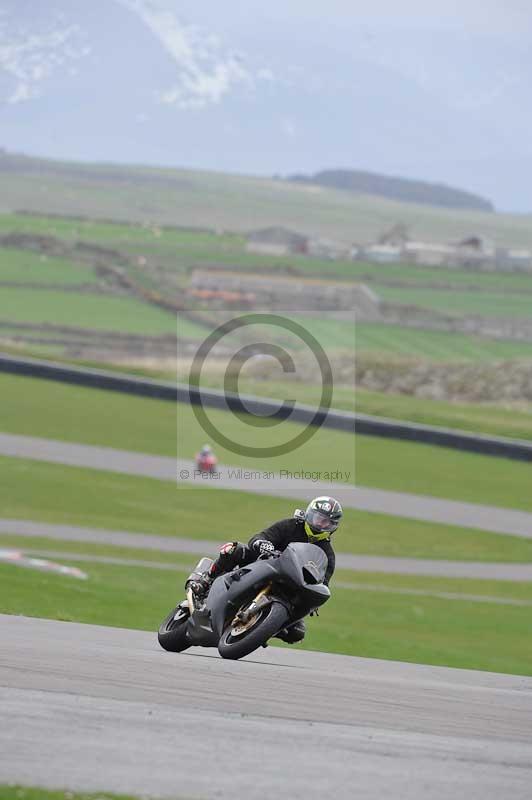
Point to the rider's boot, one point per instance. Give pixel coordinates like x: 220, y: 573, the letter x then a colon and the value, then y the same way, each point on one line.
x: 292, y: 633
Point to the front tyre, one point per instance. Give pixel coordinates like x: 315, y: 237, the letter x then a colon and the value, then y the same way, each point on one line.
x: 173, y: 631
x: 270, y: 621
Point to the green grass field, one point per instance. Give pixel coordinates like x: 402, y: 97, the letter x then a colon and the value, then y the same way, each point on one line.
x: 412, y: 275
x: 99, y: 499
x: 485, y: 304
x: 174, y: 249
x: 42, y: 408
x: 92, y: 312
x: 180, y: 249
x: 377, y: 338
x: 370, y: 339
x: 435, y: 345
x: 485, y: 418
x: 98, y: 312
x: 177, y: 250
x: 19, y: 266
x: 170, y: 254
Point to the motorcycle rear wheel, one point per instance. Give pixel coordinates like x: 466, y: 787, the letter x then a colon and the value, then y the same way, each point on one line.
x: 270, y: 622
x: 173, y: 632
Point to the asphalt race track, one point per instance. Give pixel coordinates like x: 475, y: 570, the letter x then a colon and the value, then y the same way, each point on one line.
x: 86, y: 707
x: 430, y: 509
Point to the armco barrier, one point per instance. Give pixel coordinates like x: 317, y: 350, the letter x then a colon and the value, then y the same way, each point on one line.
x: 340, y: 420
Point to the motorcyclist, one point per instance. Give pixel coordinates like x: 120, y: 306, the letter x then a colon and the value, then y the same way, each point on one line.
x: 315, y: 525
x: 206, y: 460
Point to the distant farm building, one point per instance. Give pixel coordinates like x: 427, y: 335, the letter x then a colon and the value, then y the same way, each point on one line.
x: 474, y: 251
x: 287, y: 294
x: 428, y: 254
x: 327, y: 249
x: 381, y: 253
x: 396, y: 236
x: 513, y: 260
x: 277, y: 241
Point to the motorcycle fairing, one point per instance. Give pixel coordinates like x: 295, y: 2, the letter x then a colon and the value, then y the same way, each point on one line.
x: 304, y: 565
x: 230, y: 591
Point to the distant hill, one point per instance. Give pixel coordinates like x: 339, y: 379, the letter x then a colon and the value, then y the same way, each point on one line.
x: 238, y: 203
x: 402, y: 189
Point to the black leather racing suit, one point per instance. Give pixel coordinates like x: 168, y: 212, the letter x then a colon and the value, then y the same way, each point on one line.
x: 280, y: 534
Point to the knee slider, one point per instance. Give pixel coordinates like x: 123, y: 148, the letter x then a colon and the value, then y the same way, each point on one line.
x: 228, y: 549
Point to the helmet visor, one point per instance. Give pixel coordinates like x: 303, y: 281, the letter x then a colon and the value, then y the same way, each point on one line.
x: 320, y: 522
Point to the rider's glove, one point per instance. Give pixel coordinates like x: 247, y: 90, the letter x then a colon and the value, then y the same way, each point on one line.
x: 264, y: 548
x: 201, y: 584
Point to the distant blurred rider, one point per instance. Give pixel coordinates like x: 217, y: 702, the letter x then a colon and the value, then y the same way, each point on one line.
x: 206, y: 461
x: 315, y: 525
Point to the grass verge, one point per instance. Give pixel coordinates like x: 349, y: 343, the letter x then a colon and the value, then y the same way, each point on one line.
x: 486, y: 418
x: 475, y: 417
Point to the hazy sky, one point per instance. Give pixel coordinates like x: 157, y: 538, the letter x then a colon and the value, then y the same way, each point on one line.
x: 439, y: 91
x: 512, y: 17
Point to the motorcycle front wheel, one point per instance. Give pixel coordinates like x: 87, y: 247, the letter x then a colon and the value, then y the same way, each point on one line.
x: 173, y: 631
x: 235, y: 644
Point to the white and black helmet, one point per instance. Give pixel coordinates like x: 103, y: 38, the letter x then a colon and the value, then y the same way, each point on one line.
x: 322, y: 517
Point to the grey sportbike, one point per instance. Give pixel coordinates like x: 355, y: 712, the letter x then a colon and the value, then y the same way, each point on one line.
x: 250, y: 605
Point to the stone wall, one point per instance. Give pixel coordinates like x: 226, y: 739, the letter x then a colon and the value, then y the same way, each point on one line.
x: 499, y: 382
x: 503, y: 328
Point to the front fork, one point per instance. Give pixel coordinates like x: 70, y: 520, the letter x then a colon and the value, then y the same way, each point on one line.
x: 190, y: 601
x: 261, y: 600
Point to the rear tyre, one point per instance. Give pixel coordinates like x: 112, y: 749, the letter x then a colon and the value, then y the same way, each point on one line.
x: 173, y: 632
x: 271, y: 620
